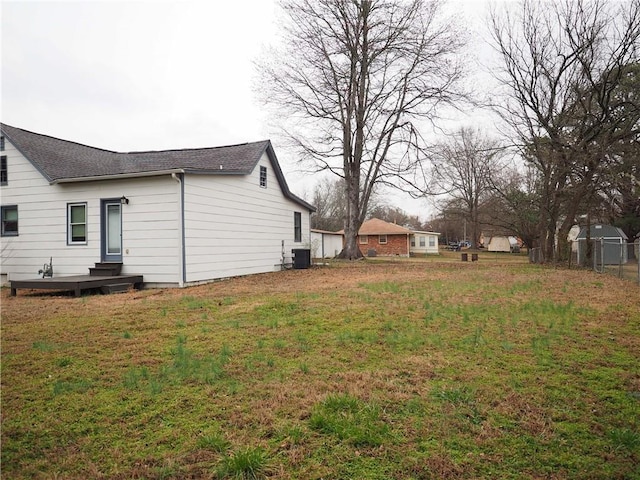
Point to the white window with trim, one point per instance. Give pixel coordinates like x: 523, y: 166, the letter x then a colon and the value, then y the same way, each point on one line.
x: 422, y: 241
x: 382, y: 239
x: 432, y: 241
x: 363, y: 239
x: 77, y: 224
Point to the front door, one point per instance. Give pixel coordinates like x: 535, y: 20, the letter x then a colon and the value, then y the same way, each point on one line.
x: 111, y: 236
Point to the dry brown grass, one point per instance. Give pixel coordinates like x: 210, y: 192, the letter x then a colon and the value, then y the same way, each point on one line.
x: 480, y: 370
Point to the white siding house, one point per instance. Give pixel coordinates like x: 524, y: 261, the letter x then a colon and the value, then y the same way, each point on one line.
x: 177, y: 217
x: 423, y: 243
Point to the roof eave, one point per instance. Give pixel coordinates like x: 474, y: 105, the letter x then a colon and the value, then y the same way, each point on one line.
x: 118, y: 176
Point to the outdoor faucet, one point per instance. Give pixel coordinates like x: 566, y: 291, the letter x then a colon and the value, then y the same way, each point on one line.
x: 47, y: 269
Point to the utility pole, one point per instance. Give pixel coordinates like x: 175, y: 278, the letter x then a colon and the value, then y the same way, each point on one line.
x: 464, y: 235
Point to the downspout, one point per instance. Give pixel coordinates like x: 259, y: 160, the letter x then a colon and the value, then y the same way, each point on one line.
x: 309, y: 232
x: 182, y: 269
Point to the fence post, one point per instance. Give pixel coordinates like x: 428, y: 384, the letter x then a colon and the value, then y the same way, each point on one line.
x: 620, y: 258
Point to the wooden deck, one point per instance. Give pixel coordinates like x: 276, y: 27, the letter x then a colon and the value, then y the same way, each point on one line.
x: 78, y: 283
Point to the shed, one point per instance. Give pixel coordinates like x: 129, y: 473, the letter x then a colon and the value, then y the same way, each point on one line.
x: 501, y: 243
x: 609, y: 244
x: 325, y: 244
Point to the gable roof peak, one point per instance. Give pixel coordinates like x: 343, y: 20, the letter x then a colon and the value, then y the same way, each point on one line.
x: 376, y: 226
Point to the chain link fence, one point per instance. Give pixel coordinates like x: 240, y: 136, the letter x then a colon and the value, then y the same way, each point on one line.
x: 603, y: 256
x: 607, y: 256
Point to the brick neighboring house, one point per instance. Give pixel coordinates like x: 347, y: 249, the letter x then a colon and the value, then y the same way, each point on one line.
x: 377, y: 237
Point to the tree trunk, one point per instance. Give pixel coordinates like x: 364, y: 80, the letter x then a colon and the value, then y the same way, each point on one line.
x: 352, y: 222
x: 547, y: 225
x: 564, y: 248
x: 475, y: 225
x: 547, y: 222
x: 550, y: 244
x: 351, y: 250
x: 352, y: 167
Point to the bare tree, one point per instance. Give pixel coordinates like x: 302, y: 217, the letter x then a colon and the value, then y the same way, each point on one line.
x: 623, y: 196
x: 449, y: 224
x: 329, y: 199
x: 462, y: 169
x: 561, y: 63
x: 396, y: 215
x: 620, y: 186
x: 514, y: 204
x: 353, y: 79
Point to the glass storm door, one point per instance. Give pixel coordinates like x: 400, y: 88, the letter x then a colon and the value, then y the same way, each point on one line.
x: 111, y: 231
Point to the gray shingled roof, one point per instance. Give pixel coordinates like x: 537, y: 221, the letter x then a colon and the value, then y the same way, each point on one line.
x: 62, y: 161
x: 602, y: 231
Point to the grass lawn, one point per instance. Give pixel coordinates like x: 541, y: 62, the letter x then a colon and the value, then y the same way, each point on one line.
x: 412, y: 369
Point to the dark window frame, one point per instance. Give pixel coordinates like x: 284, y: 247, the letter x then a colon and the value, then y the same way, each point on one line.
x: 263, y: 176
x: 4, y: 170
x: 3, y: 228
x: 297, y: 227
x: 1, y: 143
x: 70, y: 225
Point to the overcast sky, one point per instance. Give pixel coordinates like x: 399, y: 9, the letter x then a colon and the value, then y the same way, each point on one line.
x: 145, y: 75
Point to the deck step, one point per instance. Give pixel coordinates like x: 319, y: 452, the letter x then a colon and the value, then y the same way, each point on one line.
x: 105, y: 270
x: 116, y: 288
